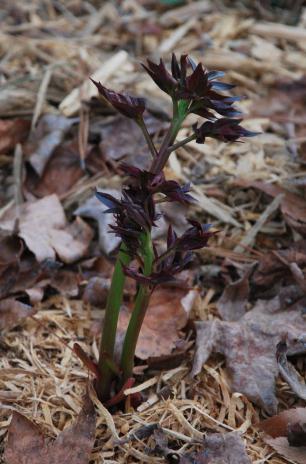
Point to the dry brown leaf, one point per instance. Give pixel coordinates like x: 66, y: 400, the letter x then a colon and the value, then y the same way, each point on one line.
x: 48, y: 134
x: 26, y: 444
x: 220, y: 448
x: 43, y: 227
x: 11, y: 248
x: 277, y: 426
x: 66, y: 282
x: 232, y: 303
x: 287, y: 434
x: 12, y: 312
x: 12, y: 132
x: 96, y: 291
x: 281, y: 445
x: 275, y: 266
x: 249, y: 346
x: 165, y: 317
x: 61, y: 172
x: 31, y: 274
x: 72, y: 243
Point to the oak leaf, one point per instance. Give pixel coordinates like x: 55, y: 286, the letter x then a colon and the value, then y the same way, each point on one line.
x: 249, y: 346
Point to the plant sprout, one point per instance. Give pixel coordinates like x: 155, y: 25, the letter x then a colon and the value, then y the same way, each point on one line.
x: 195, y: 90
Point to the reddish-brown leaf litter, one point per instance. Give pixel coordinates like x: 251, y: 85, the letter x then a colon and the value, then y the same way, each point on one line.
x: 220, y: 362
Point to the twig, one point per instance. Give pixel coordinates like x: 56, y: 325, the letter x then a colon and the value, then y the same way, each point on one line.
x: 251, y: 234
x: 17, y: 172
x: 41, y: 95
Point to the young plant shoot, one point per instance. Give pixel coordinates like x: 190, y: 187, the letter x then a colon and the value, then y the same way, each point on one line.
x: 195, y: 90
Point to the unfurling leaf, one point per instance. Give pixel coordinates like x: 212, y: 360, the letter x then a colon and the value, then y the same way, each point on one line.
x: 131, y: 107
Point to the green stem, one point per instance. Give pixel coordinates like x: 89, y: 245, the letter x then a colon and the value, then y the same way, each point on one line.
x: 109, y: 329
x: 180, y: 111
x: 138, y: 314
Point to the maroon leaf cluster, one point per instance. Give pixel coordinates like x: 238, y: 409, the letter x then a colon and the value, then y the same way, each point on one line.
x: 199, y: 87
x: 177, y: 255
x: 136, y: 212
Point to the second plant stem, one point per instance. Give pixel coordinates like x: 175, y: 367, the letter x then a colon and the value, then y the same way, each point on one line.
x: 113, y: 305
x: 139, y: 311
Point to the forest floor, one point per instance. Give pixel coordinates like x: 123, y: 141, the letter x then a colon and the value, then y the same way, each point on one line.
x: 246, y: 291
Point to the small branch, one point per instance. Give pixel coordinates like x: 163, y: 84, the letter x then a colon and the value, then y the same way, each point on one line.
x: 180, y: 112
x: 17, y: 173
x: 147, y: 136
x: 181, y: 143
x: 163, y: 154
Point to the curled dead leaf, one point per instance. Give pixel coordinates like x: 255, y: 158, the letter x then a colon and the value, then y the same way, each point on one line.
x: 274, y: 266
x: 281, y: 445
x: 277, y: 426
x: 12, y: 131
x: 286, y: 369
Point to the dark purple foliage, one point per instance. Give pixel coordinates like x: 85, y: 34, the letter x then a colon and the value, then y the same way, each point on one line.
x: 177, y: 256
x: 225, y: 129
x: 156, y: 183
x: 199, y: 87
x: 200, y: 92
x: 134, y: 213
x: 131, y: 107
